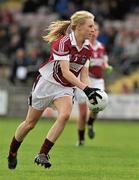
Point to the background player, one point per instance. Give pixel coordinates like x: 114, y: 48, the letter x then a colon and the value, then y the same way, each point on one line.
x: 98, y: 63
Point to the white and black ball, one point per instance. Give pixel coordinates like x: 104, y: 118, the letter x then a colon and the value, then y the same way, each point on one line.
x: 99, y: 104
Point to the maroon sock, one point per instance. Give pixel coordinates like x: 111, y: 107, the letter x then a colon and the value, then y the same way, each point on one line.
x: 45, y: 148
x: 14, y: 146
x: 81, y: 134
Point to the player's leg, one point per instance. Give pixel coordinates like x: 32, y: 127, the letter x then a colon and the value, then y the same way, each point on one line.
x: 81, y: 98
x: 21, y: 131
x: 64, y: 107
x: 81, y: 122
x: 95, y: 83
x: 90, y: 124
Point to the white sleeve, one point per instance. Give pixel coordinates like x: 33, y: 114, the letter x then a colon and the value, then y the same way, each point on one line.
x: 63, y: 58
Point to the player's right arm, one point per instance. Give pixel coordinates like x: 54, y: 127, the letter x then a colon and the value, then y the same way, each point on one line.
x: 90, y: 92
x: 67, y: 74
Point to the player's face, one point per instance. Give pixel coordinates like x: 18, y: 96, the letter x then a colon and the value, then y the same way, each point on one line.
x: 96, y: 31
x: 87, y: 29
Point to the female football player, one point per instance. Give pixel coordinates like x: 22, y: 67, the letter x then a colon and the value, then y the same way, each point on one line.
x: 69, y: 57
x: 98, y: 63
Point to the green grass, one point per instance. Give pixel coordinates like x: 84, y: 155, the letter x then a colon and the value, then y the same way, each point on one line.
x: 112, y: 155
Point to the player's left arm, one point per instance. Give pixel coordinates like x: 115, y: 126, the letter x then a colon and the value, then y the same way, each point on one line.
x: 106, y: 66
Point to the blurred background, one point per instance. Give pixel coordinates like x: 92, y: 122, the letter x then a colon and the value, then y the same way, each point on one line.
x: 22, y: 49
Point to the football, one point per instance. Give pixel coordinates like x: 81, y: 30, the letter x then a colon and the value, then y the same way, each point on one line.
x: 100, y: 104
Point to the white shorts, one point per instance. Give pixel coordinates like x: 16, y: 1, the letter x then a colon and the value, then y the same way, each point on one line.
x: 80, y: 96
x: 97, y: 83
x: 44, y: 93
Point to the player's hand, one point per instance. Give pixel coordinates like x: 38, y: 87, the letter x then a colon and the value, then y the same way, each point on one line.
x: 92, y: 93
x: 109, y: 69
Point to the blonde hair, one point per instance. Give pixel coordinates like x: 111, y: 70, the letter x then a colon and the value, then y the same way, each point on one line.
x: 59, y: 28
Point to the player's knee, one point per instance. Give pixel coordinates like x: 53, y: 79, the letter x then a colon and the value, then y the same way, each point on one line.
x: 29, y: 125
x: 83, y: 116
x: 64, y: 116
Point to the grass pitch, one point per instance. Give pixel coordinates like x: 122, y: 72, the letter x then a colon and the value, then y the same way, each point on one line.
x: 112, y: 155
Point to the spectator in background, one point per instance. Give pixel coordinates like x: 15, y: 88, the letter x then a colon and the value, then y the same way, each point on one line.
x: 65, y: 8
x: 6, y: 17
x: 34, y: 61
x: 103, y: 37
x: 130, y: 56
x: 62, y: 7
x: 125, y: 88
x: 118, y: 45
x: 135, y: 88
x: 16, y: 39
x: 4, y: 38
x: 25, y: 66
x: 19, y: 65
x: 30, y: 6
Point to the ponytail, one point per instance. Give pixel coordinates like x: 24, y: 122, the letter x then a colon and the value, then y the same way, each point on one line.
x: 56, y: 29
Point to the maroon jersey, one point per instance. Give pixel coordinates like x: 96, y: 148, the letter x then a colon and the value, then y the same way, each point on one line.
x: 99, y: 57
x: 65, y: 49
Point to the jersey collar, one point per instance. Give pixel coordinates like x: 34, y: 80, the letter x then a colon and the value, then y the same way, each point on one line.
x: 96, y: 46
x: 74, y: 43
